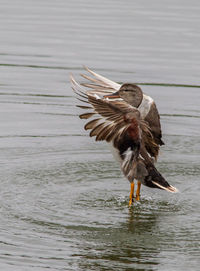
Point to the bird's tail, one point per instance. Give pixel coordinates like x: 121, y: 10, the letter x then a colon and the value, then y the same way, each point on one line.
x: 169, y: 188
x: 155, y: 180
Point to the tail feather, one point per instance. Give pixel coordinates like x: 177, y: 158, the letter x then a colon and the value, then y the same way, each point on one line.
x: 170, y: 188
x: 155, y: 180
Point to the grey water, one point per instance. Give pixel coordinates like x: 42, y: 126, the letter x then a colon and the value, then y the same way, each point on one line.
x: 63, y: 199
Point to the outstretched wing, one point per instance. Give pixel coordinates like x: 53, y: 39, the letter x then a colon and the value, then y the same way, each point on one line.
x: 113, y: 117
x: 98, y: 84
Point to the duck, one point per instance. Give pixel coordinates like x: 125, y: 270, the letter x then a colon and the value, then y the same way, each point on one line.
x: 127, y: 119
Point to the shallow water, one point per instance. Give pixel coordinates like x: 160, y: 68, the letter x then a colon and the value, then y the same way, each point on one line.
x: 63, y: 199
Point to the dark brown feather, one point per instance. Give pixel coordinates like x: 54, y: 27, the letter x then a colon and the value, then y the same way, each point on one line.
x: 102, y: 135
x: 84, y: 107
x: 153, y: 120
x: 86, y: 115
x: 97, y: 129
x: 91, y: 124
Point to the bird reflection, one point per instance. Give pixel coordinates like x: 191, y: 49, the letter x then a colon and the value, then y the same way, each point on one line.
x: 135, y: 241
x: 140, y: 222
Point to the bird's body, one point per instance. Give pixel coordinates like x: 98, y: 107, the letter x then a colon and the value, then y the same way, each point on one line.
x: 129, y: 121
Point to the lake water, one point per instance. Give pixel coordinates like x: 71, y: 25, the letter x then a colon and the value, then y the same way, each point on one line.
x: 63, y: 199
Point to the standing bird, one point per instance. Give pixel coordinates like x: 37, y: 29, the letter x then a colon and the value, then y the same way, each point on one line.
x: 130, y: 121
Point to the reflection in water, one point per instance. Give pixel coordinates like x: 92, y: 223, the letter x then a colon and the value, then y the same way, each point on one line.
x: 139, y: 221
x: 131, y: 245
x: 135, y: 242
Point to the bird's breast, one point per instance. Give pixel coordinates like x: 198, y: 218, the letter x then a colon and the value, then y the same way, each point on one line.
x: 133, y: 130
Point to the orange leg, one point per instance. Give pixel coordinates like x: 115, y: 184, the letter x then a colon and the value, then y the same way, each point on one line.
x: 138, y: 190
x: 131, y: 194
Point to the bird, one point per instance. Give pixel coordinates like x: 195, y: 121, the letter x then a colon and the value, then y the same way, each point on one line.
x: 127, y: 119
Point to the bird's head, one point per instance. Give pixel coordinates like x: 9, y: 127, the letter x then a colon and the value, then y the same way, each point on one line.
x: 130, y: 93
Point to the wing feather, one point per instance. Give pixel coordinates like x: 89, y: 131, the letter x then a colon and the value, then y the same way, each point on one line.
x: 97, y: 87
x: 107, y: 82
x: 98, y: 84
x: 98, y: 128
x: 84, y: 107
x: 116, y: 132
x: 86, y: 115
x: 91, y: 124
x: 104, y: 132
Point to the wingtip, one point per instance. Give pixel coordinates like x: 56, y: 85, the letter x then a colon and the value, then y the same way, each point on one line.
x: 71, y: 77
x: 86, y: 68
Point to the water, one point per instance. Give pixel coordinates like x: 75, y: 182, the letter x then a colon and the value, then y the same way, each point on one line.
x: 63, y: 200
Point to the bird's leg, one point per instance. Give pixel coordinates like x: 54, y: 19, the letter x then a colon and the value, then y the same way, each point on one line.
x: 138, y: 190
x: 131, y: 194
